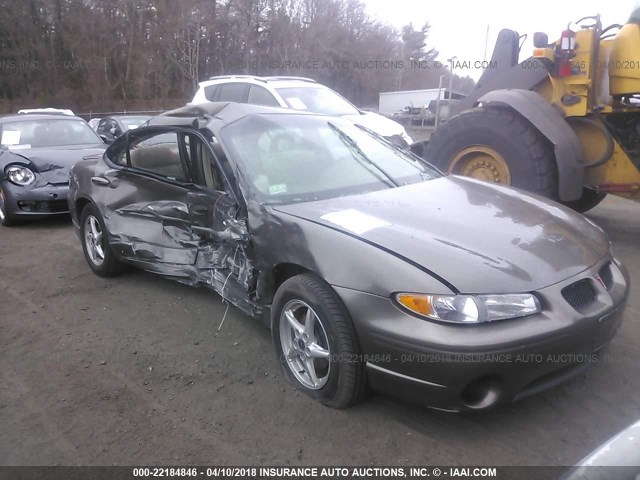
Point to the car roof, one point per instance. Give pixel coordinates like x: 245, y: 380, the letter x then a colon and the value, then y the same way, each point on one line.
x: 214, y: 115
x: 131, y: 115
x: 281, y: 81
x: 29, y: 117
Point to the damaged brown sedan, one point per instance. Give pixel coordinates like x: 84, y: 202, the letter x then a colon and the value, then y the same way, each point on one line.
x: 372, y: 269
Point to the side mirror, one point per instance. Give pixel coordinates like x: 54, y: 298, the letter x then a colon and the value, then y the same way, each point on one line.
x: 540, y: 40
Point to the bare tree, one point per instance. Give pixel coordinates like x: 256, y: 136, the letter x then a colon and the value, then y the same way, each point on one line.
x: 124, y: 54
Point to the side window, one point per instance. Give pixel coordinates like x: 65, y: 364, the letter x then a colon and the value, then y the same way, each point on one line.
x: 211, y: 92
x: 102, y: 126
x: 159, y: 154
x: 262, y: 96
x: 119, y: 158
x: 233, y: 92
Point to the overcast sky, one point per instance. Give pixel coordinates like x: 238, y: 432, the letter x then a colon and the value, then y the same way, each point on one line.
x: 459, y: 27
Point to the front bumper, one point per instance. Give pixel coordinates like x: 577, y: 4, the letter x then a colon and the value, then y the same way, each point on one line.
x: 34, y: 201
x: 474, y: 367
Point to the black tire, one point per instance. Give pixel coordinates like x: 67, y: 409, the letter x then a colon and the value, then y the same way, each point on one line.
x: 110, y: 265
x: 590, y: 199
x: 346, y: 381
x: 527, y: 153
x: 5, y: 219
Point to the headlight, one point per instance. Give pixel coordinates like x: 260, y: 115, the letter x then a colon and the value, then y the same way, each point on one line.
x: 469, y: 308
x: 19, y: 175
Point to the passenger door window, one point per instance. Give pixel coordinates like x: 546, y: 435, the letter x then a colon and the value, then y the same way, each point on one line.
x: 211, y: 92
x: 234, y: 92
x: 160, y: 154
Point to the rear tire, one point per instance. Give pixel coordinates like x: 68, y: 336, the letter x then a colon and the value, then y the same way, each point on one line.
x: 95, y: 244
x: 590, y: 199
x: 338, y: 377
x: 521, y: 155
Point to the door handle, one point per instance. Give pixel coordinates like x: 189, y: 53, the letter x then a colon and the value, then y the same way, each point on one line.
x: 103, y: 182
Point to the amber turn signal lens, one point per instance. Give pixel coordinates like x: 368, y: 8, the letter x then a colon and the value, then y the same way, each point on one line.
x: 416, y: 303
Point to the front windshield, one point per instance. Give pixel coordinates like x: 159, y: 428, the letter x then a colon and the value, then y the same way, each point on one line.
x: 47, y: 133
x: 299, y: 158
x: 317, y: 100
x: 130, y: 123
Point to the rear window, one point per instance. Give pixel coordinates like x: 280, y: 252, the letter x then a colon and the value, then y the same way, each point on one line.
x: 130, y: 123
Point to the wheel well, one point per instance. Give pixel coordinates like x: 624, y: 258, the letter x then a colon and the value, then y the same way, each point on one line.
x: 283, y: 272
x: 553, y: 126
x: 80, y: 204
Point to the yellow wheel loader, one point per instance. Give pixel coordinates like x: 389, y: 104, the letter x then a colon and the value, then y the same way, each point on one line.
x: 564, y: 123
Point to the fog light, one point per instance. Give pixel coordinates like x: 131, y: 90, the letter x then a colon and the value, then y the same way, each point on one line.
x: 481, y: 393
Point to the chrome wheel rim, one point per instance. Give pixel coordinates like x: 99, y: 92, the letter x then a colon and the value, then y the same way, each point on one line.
x: 305, y: 345
x: 93, y: 240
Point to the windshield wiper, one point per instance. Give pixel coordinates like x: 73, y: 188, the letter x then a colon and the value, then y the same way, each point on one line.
x: 353, y: 146
x: 406, y: 154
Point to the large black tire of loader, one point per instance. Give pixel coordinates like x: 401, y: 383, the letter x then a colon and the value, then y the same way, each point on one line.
x: 528, y: 154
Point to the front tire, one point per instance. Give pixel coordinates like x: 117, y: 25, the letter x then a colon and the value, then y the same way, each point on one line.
x: 495, y: 145
x: 5, y: 218
x: 316, y: 342
x: 95, y: 244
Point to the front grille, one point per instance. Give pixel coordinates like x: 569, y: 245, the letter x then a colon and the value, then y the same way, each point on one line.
x: 44, y: 206
x: 579, y: 294
x: 606, y: 275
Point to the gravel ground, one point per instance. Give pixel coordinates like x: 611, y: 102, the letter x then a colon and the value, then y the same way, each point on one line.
x: 130, y: 371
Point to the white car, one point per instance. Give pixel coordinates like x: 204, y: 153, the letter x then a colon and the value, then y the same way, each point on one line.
x: 297, y: 93
x: 62, y: 111
x: 93, y: 123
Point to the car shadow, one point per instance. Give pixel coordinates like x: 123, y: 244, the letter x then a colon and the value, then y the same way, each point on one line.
x: 58, y: 221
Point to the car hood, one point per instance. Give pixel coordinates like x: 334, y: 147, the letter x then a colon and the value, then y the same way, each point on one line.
x: 621, y: 454
x: 381, y: 125
x: 52, y: 163
x: 479, y: 237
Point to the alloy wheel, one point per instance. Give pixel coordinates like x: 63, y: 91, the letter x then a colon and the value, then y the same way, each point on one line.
x: 305, y: 345
x: 93, y: 240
